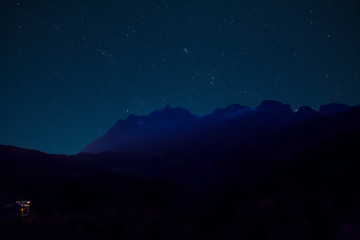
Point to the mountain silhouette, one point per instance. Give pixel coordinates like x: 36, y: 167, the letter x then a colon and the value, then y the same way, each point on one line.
x: 165, y: 129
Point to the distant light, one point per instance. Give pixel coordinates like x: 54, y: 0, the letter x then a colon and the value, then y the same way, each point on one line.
x: 24, y: 207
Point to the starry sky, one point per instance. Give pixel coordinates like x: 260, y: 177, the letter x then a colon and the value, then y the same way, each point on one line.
x: 70, y: 69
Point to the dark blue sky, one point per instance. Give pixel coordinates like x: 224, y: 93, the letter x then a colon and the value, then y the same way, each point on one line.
x: 70, y: 69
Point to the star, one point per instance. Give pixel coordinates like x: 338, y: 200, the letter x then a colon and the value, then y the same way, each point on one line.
x: 104, y: 57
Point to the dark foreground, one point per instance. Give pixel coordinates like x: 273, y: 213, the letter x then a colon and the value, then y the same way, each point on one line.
x: 284, y: 186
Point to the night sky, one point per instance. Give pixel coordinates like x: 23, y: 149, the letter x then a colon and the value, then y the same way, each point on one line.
x: 70, y: 69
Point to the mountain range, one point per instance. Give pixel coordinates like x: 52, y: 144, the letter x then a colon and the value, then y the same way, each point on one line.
x: 167, y: 129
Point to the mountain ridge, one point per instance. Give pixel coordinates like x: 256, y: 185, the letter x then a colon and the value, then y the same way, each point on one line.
x: 168, y: 127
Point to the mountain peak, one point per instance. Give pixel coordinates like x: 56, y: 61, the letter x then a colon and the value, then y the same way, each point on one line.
x: 169, y: 112
x: 305, y: 110
x: 235, y: 107
x: 228, y: 112
x: 333, y: 108
x: 273, y: 106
